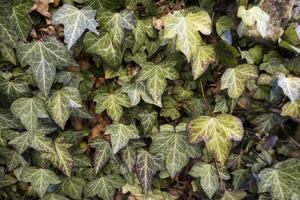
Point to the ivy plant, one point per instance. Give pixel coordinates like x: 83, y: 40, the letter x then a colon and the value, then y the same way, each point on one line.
x: 149, y: 99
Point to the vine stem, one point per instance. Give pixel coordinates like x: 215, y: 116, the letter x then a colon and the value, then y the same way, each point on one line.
x: 204, y: 98
x: 289, y: 137
x: 220, y: 179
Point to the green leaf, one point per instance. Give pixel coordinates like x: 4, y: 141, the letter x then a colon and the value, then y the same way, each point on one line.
x: 223, y: 28
x: 8, y: 53
x: 20, y: 18
x: 196, y: 106
x: 156, y: 75
x: 138, y: 90
x: 206, y: 54
x: 209, y: 177
x: 40, y: 179
x: 28, y: 110
x: 60, y: 103
x: 185, y: 28
x: 142, y: 32
x: 120, y: 135
x: 43, y: 57
x: 291, y: 109
x: 112, y: 103
x: 12, y: 90
x: 148, y: 120
x: 12, y: 158
x: 116, y: 23
x: 240, y: 176
x: 266, y: 122
x: 7, y: 120
x: 290, y: 86
x: 129, y: 156
x: 281, y: 181
x: 234, y: 79
x: 52, y: 196
x: 216, y: 132
x: 61, y: 159
x: 75, y: 22
x: 7, y: 180
x: 42, y: 143
x: 102, y: 154
x: 175, y: 145
x: 104, y: 187
x: 134, y: 4
x: 170, y: 108
x: 7, y: 34
x: 234, y: 195
x: 146, y: 167
x: 255, y: 15
x: 21, y: 142
x: 73, y: 187
x: 103, y: 4
x: 103, y: 46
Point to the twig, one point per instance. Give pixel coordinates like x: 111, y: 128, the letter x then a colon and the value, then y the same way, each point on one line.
x: 204, y: 98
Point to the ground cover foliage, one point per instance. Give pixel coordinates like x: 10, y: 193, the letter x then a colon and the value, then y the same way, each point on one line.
x: 149, y: 99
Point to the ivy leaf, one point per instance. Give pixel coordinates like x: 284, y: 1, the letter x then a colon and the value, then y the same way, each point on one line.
x: 234, y: 79
x: 216, y: 132
x: 8, y: 53
x: 12, y: 158
x: 112, y: 103
x: 102, y: 154
x: 234, y: 195
x: 128, y: 155
x: 7, y: 120
x: 21, y: 142
x: 52, y: 196
x: 175, y: 145
x: 148, y: 120
x: 103, y: 46
x: 7, y: 34
x: 60, y: 103
x: 185, y: 28
x: 73, y: 187
x: 29, y: 110
x: 266, y: 122
x: 20, y: 18
x: 61, y: 159
x: 209, y: 177
x: 206, y: 54
x: 138, y: 90
x: 170, y: 108
x: 40, y: 142
x: 281, y: 181
x: 120, y: 134
x: 7, y: 180
x: 12, y: 90
x: 240, y: 176
x: 103, y: 4
x: 104, y: 187
x: 40, y: 179
x: 291, y: 109
x: 116, y: 23
x: 196, y: 106
x: 255, y: 15
x: 134, y: 4
x: 146, y: 167
x: 142, y: 32
x: 75, y: 22
x: 290, y: 86
x: 43, y: 57
x: 156, y: 75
